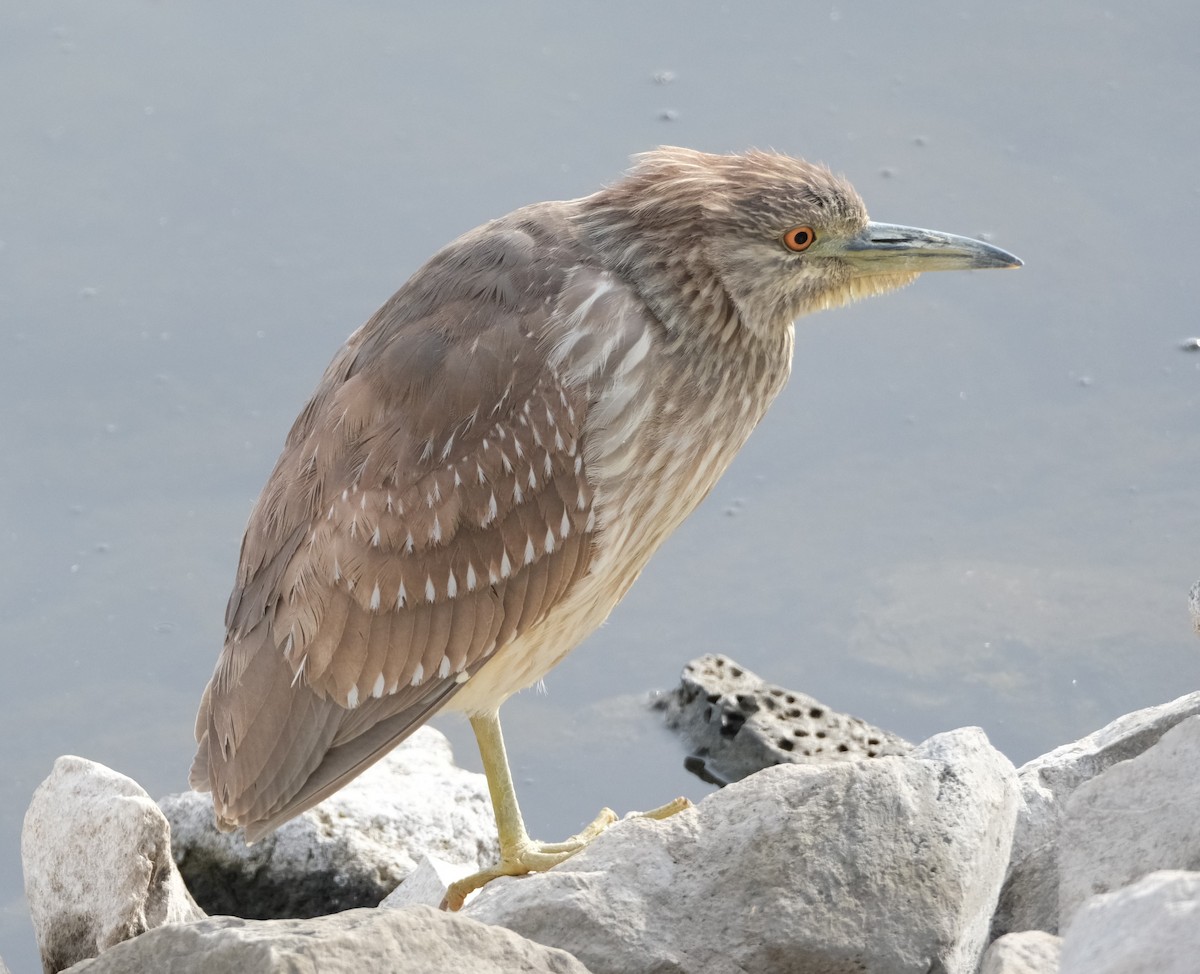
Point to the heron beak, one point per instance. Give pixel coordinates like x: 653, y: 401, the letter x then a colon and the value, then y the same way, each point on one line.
x: 884, y: 248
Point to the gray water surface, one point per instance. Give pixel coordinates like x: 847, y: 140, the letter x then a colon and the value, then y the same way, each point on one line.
x: 973, y: 504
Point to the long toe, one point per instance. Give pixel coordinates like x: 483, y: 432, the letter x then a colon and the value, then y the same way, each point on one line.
x: 673, y: 807
x: 576, y: 842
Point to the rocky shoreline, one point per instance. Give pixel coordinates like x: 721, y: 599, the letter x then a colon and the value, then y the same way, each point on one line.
x: 835, y: 847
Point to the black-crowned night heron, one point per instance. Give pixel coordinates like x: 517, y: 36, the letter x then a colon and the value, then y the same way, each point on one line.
x: 490, y: 461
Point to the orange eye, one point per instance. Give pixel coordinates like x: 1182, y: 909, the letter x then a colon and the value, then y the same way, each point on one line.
x: 799, y: 238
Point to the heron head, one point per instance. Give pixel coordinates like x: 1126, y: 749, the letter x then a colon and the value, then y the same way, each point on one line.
x: 780, y: 237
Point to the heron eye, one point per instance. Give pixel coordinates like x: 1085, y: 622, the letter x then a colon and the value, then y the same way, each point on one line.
x: 799, y: 238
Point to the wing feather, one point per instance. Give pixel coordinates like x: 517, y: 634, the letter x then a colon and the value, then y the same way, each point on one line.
x: 316, y: 656
x: 378, y: 649
x: 431, y: 503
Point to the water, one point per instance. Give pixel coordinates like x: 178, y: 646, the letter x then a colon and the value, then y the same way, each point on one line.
x: 973, y: 504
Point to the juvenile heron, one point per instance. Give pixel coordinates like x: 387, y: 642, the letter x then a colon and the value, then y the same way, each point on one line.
x: 489, y: 462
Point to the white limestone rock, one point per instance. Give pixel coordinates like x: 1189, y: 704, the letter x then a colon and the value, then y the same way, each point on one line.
x: 1151, y: 927
x: 96, y: 853
x: 891, y: 865
x: 415, y: 939
x: 426, y: 885
x: 349, y: 851
x: 1029, y: 900
x: 1027, y: 952
x: 1139, y: 816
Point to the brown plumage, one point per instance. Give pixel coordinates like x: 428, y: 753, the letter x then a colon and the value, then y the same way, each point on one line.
x: 489, y: 462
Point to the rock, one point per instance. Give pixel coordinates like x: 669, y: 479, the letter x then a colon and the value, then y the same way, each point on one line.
x: 1027, y: 952
x: 414, y: 939
x: 738, y: 724
x: 349, y: 851
x: 3, y: 967
x: 426, y: 885
x: 1151, y: 927
x: 1029, y: 900
x: 1139, y: 816
x: 96, y: 853
x: 892, y: 865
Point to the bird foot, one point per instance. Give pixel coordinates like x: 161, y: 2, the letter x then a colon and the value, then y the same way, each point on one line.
x: 531, y: 856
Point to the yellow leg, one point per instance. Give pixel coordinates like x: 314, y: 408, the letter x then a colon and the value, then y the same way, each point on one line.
x: 520, y: 854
